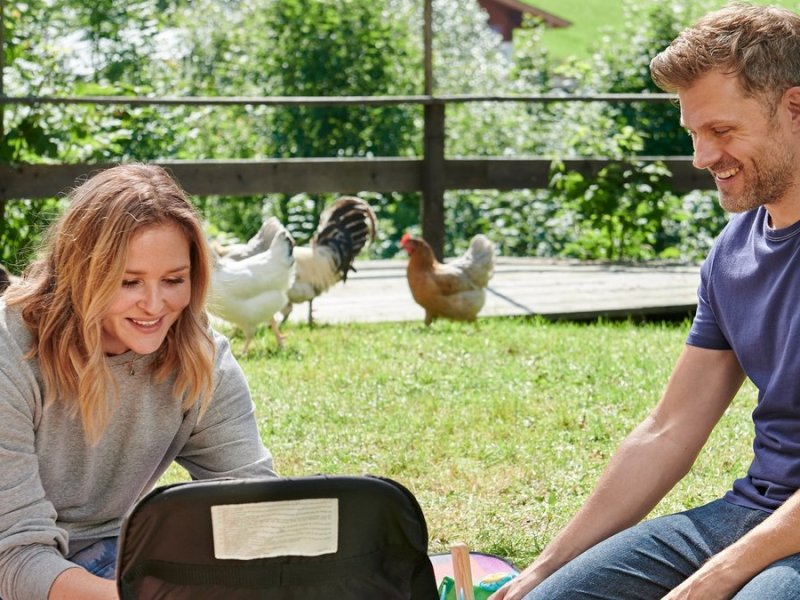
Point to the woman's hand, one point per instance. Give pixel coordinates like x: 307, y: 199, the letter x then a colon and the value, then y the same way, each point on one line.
x: 79, y: 583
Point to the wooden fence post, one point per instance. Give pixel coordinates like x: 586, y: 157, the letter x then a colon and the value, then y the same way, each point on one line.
x: 432, y: 202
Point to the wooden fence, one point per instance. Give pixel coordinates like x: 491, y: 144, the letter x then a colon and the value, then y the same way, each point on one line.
x: 431, y: 174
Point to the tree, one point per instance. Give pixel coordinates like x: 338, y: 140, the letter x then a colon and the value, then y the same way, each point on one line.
x: 333, y: 48
x: 622, y: 65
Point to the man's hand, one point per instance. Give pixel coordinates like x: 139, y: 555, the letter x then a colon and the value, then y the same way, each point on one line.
x: 519, y: 586
x: 708, y: 583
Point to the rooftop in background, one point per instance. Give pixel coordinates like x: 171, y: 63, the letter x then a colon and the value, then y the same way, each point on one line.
x: 506, y: 15
x: 592, y: 18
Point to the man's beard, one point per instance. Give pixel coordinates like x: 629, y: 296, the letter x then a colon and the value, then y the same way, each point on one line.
x: 766, y: 180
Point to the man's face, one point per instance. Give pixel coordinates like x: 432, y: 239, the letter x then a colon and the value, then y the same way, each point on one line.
x: 749, y: 153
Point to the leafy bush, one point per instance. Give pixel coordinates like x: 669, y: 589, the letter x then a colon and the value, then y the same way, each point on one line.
x: 356, y: 47
x: 21, y: 224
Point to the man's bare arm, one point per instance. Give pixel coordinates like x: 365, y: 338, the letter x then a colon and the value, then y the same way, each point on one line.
x: 650, y: 461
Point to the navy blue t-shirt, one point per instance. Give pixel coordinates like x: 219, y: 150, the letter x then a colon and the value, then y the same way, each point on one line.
x: 749, y: 301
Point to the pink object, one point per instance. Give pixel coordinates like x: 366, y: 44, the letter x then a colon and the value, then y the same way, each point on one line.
x: 481, y: 565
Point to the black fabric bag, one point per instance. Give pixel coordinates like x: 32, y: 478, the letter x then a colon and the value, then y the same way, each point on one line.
x: 307, y: 538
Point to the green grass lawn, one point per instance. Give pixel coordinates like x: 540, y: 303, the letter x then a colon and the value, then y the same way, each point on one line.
x: 499, y: 429
x: 591, y: 19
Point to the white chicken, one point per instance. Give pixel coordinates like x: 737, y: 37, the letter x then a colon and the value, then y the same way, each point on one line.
x: 5, y: 279
x: 251, y: 291
x: 258, y: 243
x: 345, y: 228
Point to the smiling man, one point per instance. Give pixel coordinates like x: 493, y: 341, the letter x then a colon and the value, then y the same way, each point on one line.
x: 737, y: 76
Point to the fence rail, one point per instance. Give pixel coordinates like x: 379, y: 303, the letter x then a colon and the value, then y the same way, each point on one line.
x: 316, y: 175
x: 430, y: 100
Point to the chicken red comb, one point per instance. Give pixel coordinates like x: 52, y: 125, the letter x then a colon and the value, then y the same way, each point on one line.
x: 405, y: 238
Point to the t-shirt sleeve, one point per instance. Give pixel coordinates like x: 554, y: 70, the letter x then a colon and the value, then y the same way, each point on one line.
x: 705, y: 331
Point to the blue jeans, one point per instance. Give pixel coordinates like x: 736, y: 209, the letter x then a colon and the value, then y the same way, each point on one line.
x: 99, y: 559
x: 648, y: 560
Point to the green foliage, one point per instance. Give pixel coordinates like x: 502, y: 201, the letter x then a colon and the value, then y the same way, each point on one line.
x: 339, y: 47
x: 620, y: 214
x: 625, y: 68
x: 468, y: 57
x: 226, y: 220
x: 627, y: 211
x: 21, y: 224
x: 353, y: 47
x: 694, y: 235
x: 520, y: 223
x: 294, y: 48
x: 99, y: 48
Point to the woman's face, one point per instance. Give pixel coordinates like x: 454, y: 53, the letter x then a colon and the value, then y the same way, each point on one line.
x: 155, y: 289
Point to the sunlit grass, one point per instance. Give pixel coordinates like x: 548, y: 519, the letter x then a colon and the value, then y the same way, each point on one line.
x: 592, y: 20
x: 500, y: 429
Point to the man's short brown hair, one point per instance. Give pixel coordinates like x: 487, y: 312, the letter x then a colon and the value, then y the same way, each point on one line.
x: 760, y: 45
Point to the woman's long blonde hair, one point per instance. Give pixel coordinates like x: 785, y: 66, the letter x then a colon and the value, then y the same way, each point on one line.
x: 65, y: 293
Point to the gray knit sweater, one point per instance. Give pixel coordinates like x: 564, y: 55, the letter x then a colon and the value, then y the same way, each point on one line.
x: 59, y: 494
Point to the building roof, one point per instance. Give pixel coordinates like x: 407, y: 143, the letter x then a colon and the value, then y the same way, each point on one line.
x: 549, y: 19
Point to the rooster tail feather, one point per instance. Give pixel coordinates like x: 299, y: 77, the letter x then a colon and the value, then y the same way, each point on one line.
x: 346, y: 227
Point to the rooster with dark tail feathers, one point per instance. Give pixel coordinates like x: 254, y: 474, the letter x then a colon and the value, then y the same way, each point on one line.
x: 346, y: 227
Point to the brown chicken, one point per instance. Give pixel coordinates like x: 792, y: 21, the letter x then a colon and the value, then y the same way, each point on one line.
x: 454, y: 290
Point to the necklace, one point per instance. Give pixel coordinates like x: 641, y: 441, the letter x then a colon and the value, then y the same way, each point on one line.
x: 131, y: 364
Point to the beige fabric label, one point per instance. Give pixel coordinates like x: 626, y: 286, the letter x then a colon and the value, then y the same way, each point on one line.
x: 308, y: 527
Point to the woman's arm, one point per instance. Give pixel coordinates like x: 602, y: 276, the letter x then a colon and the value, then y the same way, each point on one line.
x: 648, y: 463
x: 225, y: 441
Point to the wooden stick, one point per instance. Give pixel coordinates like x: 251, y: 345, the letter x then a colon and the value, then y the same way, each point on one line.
x: 462, y: 572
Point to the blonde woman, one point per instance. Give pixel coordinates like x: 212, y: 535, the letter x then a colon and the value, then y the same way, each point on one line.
x: 110, y: 372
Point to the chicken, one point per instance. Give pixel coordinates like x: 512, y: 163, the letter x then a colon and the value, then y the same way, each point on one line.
x: 454, y: 290
x: 5, y: 279
x: 258, y: 243
x: 345, y: 228
x: 251, y: 291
